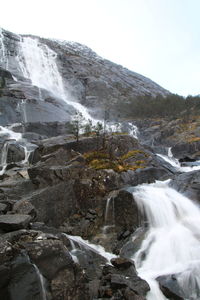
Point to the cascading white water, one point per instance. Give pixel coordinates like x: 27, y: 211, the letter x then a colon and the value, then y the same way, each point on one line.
x: 172, y: 244
x: 10, y: 133
x: 110, y: 210
x: 176, y: 164
x: 41, y: 279
x: 4, y: 152
x: 23, y: 109
x: 38, y: 63
x: 134, y: 130
x: 13, y: 136
x: 95, y: 248
x: 3, y: 58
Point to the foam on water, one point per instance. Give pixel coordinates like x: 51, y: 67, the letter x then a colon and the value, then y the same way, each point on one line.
x: 172, y: 244
x: 95, y: 248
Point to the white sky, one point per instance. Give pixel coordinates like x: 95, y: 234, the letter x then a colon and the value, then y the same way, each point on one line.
x: 156, y: 38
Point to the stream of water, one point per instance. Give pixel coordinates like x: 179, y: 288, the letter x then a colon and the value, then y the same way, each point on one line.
x: 169, y: 158
x: 172, y: 245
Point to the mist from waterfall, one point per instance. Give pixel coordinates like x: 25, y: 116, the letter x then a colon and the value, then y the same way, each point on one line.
x: 172, y: 244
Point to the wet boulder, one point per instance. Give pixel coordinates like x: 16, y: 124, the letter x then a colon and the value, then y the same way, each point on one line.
x: 188, y: 184
x: 123, y: 212
x: 170, y: 288
x: 122, y: 283
x: 130, y: 247
x: 15, y: 153
x: 50, y: 255
x: 25, y: 280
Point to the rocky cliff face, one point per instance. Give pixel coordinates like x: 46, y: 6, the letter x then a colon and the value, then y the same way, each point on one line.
x: 48, y: 79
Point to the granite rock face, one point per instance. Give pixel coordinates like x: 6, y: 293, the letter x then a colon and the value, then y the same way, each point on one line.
x: 84, y: 77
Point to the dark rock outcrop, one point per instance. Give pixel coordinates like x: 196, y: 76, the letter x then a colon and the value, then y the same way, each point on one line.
x: 170, y: 287
x: 14, y: 222
x: 187, y: 150
x: 122, y: 284
x: 188, y: 183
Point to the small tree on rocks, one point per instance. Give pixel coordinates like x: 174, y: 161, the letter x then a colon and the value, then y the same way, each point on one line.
x: 88, y: 128
x: 98, y: 129
x: 77, y: 125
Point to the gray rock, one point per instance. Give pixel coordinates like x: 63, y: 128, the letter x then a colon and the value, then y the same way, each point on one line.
x: 14, y: 222
x: 50, y: 256
x: 170, y: 287
x: 3, y: 208
x: 24, y: 207
x: 25, y: 282
x: 122, y: 263
x: 188, y: 183
x: 15, y: 153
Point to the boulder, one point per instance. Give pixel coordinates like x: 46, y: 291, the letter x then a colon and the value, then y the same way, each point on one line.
x: 130, y: 247
x: 124, y: 213
x: 24, y: 207
x: 14, y: 222
x: 118, y: 281
x: 50, y: 255
x: 122, y: 263
x: 170, y: 288
x: 3, y: 208
x: 15, y: 153
x: 188, y: 184
x: 70, y: 283
x: 186, y: 150
x: 25, y: 282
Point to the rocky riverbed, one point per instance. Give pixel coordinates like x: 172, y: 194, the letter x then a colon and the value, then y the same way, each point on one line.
x: 59, y: 192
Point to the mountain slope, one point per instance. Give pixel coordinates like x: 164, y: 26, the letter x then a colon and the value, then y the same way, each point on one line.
x: 53, y: 77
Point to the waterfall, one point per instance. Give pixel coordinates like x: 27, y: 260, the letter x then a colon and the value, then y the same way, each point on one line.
x: 39, y: 64
x: 14, y: 136
x: 3, y: 59
x: 23, y: 109
x: 169, y: 158
x: 83, y: 244
x: 41, y: 280
x: 133, y: 130
x: 172, y: 245
x: 109, y: 211
x: 4, y: 153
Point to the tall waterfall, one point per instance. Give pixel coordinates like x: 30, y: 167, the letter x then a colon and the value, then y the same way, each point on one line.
x: 172, y: 244
x: 39, y: 64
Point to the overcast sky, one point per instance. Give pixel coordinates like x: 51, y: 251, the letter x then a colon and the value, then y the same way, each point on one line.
x: 156, y: 38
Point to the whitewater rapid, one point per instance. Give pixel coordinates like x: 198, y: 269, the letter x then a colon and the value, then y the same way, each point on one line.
x: 169, y: 158
x: 172, y: 243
